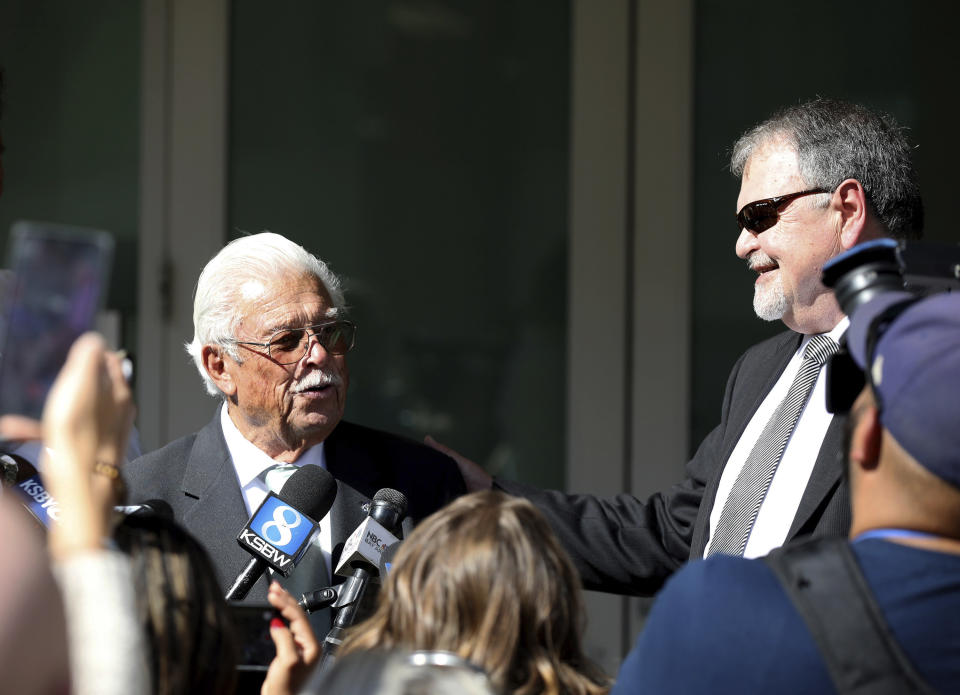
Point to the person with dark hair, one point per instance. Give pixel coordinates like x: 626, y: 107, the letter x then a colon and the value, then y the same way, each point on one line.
x: 486, y: 579
x: 191, y: 646
x: 816, y: 179
x: 876, y: 614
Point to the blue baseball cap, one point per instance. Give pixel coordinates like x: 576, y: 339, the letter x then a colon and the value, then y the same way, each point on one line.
x: 915, y: 371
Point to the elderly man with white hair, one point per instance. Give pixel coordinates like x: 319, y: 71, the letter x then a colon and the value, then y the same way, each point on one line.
x: 271, y: 337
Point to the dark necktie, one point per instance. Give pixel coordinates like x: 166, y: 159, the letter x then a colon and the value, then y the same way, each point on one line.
x: 749, y: 489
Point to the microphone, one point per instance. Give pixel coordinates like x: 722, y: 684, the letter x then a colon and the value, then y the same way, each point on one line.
x: 280, y: 529
x: 324, y: 598
x: 9, y: 470
x: 371, y: 546
x: 20, y: 474
x: 366, y: 545
x: 15, y: 469
x: 360, y: 563
x: 148, y: 508
x: 33, y: 495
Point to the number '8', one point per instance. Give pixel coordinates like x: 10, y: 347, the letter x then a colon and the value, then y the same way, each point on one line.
x: 282, y: 525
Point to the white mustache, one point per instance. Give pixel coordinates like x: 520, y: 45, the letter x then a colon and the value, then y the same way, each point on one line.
x: 317, y: 379
x: 758, y: 259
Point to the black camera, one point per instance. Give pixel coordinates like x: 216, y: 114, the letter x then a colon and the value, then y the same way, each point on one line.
x: 907, y: 272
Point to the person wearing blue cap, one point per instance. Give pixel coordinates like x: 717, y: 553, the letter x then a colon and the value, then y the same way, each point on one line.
x: 885, y: 620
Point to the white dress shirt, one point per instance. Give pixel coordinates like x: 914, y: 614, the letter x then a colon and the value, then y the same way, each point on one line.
x: 780, y: 505
x: 249, y: 462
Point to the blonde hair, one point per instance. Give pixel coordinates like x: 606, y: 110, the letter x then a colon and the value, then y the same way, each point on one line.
x: 486, y: 578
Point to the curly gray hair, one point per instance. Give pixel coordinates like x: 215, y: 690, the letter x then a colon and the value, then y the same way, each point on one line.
x: 837, y: 140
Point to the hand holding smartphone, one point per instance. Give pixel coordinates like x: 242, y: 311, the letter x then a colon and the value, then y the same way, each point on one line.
x: 60, y: 276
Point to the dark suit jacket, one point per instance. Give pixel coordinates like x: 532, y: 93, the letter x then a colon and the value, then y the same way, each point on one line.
x: 629, y: 546
x: 195, y: 475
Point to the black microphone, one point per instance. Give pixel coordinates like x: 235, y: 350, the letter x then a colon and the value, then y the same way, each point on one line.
x: 16, y: 469
x: 148, y: 508
x: 371, y: 546
x: 324, y: 598
x: 360, y: 562
x: 281, y: 527
x: 9, y: 470
x: 29, y: 487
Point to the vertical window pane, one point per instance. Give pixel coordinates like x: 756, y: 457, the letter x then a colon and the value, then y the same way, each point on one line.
x: 421, y: 149
x: 70, y: 126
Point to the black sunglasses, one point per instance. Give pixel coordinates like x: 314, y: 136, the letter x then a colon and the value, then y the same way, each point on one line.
x: 760, y: 215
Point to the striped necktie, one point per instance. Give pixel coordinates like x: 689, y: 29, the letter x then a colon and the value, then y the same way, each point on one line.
x: 750, y: 488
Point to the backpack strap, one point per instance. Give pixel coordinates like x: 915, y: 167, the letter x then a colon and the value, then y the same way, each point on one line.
x: 828, y: 590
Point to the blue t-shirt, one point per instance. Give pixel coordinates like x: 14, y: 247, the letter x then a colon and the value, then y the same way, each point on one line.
x: 724, y: 625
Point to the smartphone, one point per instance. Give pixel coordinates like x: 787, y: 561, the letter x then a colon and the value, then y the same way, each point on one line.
x: 251, y: 624
x: 58, y: 285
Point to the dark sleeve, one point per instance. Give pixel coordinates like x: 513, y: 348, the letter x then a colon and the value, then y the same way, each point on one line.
x: 429, y: 479
x: 626, y: 545
x: 369, y: 459
x: 723, y: 625
x: 443, y: 477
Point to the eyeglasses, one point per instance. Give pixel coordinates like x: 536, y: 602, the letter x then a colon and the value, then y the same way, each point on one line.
x: 760, y: 215
x: 289, y: 345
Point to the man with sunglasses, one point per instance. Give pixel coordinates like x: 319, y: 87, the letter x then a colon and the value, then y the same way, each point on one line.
x: 877, y: 613
x: 271, y: 340
x: 816, y: 179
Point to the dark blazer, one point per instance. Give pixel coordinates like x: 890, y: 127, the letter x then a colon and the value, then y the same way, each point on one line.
x: 630, y: 546
x: 196, y: 477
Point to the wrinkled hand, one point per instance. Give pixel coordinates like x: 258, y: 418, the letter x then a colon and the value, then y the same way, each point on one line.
x: 297, y: 648
x: 86, y: 422
x: 473, y: 474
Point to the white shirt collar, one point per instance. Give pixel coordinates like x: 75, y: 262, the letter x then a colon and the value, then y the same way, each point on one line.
x: 250, y: 461
x: 836, y: 333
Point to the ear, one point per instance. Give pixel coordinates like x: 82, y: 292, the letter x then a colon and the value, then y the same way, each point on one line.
x: 850, y: 200
x: 866, y: 437
x: 216, y: 365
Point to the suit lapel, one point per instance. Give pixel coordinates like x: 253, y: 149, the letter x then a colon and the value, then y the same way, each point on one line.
x: 218, y: 511
x: 826, y: 474
x: 758, y: 380
x: 827, y: 470
x: 757, y: 377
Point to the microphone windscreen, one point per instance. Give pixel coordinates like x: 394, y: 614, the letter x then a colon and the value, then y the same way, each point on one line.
x: 17, y: 469
x: 393, y: 497
x: 311, y: 489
